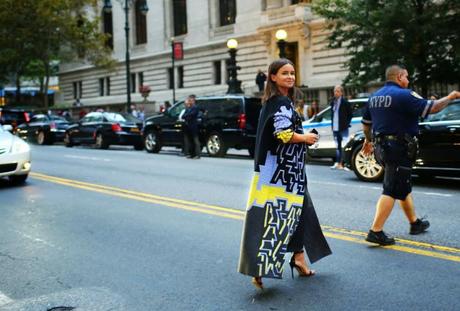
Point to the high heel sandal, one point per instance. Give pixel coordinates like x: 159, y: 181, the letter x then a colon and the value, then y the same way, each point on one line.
x: 257, y: 282
x: 299, y: 268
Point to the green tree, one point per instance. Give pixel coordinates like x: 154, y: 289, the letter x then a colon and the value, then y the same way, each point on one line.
x: 422, y: 35
x: 37, y: 33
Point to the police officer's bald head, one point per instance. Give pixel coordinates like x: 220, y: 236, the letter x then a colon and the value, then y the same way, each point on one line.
x: 397, y: 74
x: 392, y: 72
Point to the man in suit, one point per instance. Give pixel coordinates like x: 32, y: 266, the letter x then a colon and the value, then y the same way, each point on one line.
x: 341, y: 115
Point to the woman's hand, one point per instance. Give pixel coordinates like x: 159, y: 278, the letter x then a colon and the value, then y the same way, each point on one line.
x: 310, y: 138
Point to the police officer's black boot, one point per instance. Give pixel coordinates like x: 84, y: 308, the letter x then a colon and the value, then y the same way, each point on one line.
x: 379, y: 237
x: 419, y: 226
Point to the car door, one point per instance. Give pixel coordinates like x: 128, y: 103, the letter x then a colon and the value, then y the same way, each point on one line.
x: 322, y: 123
x: 36, y: 123
x: 88, y: 127
x: 439, y: 139
x: 357, y: 108
x: 172, y: 125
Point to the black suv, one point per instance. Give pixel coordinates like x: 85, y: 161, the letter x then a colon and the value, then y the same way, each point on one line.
x: 13, y: 116
x: 228, y: 121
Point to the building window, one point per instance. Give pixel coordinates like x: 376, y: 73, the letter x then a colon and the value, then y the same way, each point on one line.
x: 107, y: 86
x: 140, y: 78
x: 141, y: 24
x: 170, y: 78
x: 101, y: 86
x: 80, y: 89
x: 217, y: 72
x: 180, y: 77
x: 104, y: 86
x: 180, y: 17
x: 75, y: 90
x: 133, y: 83
x: 108, y: 28
x: 227, y: 9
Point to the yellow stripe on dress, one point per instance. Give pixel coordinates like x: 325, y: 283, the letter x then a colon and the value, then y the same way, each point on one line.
x: 266, y: 193
x: 285, y: 136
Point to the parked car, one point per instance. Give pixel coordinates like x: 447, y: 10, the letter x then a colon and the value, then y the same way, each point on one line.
x: 439, y: 154
x: 228, y: 121
x: 325, y: 148
x: 13, y: 116
x: 14, y: 156
x: 43, y: 129
x: 104, y: 129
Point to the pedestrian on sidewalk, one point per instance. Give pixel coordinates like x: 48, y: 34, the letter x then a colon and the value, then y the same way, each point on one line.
x: 341, y: 119
x: 392, y: 114
x: 192, y: 148
x: 280, y: 216
x: 260, y: 80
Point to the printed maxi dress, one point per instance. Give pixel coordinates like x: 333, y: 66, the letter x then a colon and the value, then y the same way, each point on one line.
x: 278, y: 197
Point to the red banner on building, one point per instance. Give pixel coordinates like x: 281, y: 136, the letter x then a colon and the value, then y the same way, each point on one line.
x: 178, y: 51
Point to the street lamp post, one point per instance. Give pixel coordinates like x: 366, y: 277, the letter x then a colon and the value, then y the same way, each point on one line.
x: 144, y: 9
x: 234, y: 85
x: 281, y: 36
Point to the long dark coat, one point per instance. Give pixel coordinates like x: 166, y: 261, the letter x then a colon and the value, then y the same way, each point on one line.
x: 278, y: 195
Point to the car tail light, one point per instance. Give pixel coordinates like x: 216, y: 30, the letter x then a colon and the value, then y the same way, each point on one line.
x: 242, y: 121
x: 26, y: 116
x: 116, y: 127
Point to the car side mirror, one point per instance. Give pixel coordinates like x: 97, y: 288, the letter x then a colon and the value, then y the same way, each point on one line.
x: 8, y: 127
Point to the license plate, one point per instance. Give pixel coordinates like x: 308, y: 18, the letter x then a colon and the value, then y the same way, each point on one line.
x: 135, y: 130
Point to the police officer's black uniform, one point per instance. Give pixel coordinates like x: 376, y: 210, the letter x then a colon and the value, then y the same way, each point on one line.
x: 394, y: 114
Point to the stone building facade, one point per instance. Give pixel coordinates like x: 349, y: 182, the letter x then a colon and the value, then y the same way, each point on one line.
x: 204, y: 26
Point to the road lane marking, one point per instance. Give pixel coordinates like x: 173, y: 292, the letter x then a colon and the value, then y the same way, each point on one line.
x: 4, y: 299
x: 38, y: 240
x: 86, y: 158
x: 146, y: 197
x: 408, y: 246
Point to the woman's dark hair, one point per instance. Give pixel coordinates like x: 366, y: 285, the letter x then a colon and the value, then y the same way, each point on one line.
x: 271, y: 89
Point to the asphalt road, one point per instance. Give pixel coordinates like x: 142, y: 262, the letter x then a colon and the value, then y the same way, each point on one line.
x: 121, y: 229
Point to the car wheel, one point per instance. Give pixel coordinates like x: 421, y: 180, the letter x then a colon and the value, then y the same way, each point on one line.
x: 215, y: 145
x: 152, y: 142
x: 68, y: 140
x: 18, y: 179
x: 366, y: 168
x: 101, y: 142
x: 41, y: 138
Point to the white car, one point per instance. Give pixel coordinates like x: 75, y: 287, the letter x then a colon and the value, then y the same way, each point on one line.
x: 14, y: 156
x: 325, y: 148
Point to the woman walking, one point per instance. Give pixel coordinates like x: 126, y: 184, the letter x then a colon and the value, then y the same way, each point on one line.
x: 280, y: 216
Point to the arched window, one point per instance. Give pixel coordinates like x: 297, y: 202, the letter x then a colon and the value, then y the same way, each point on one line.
x: 141, y: 23
x: 108, y: 28
x: 227, y: 9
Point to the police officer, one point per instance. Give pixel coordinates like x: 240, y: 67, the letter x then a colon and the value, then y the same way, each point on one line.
x: 393, y: 113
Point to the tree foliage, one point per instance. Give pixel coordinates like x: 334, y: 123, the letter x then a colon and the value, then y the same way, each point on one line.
x: 34, y: 34
x: 422, y: 35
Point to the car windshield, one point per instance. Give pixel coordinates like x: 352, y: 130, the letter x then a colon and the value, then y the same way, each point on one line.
x: 115, y: 117
x: 176, y: 109
x: 56, y: 118
x: 451, y: 112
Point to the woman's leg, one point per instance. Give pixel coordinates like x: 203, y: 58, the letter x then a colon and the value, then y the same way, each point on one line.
x: 295, y: 246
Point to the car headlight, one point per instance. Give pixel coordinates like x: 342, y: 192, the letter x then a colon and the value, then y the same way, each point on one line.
x: 20, y: 146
